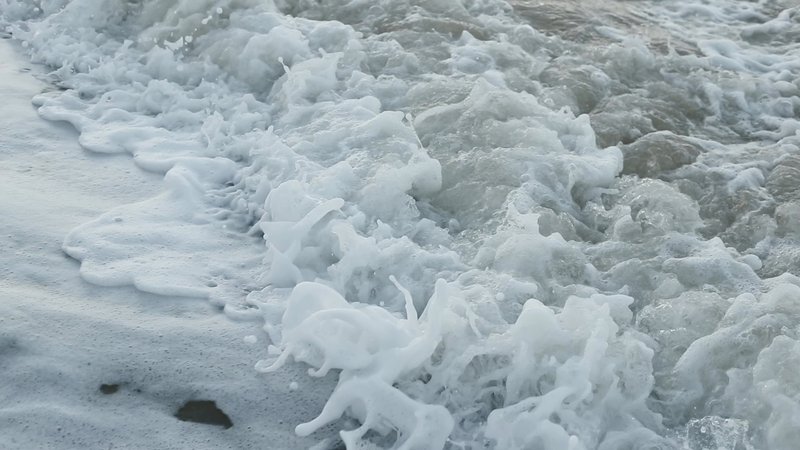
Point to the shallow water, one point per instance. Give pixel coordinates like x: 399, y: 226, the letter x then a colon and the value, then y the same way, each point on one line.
x: 504, y: 225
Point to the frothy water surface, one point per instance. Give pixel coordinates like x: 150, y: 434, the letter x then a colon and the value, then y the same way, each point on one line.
x: 502, y: 224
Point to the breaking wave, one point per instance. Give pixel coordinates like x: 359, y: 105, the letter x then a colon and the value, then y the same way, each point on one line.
x: 504, y: 224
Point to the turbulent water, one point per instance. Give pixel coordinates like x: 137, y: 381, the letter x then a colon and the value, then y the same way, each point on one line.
x: 502, y: 224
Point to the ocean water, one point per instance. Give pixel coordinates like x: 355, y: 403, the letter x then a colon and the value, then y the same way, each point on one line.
x: 499, y: 224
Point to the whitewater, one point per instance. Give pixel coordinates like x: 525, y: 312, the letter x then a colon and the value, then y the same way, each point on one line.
x: 405, y: 224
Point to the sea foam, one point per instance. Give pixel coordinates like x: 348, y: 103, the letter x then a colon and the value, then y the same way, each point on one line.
x: 499, y: 225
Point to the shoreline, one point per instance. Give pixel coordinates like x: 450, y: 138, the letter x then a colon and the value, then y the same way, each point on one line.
x: 63, y: 341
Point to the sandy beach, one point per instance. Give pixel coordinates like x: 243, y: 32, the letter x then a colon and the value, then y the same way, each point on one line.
x: 61, y: 338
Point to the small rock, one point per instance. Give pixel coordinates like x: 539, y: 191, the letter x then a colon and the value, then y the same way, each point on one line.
x: 203, y: 411
x: 109, y: 389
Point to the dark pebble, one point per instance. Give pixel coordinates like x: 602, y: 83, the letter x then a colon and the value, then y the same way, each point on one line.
x: 109, y: 389
x: 203, y: 411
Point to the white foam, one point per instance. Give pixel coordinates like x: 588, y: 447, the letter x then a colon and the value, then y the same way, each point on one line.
x: 424, y: 200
